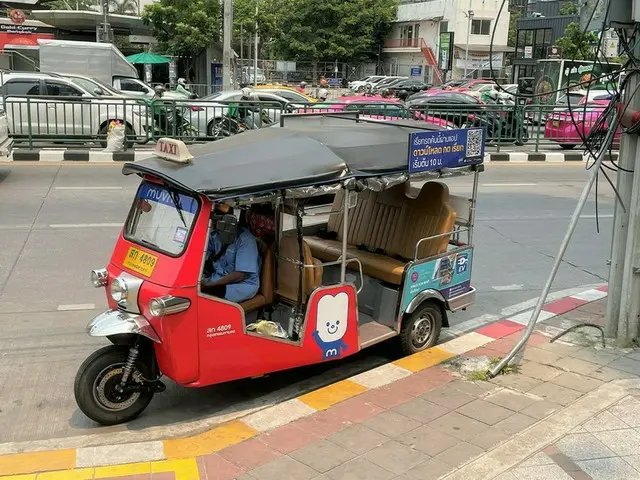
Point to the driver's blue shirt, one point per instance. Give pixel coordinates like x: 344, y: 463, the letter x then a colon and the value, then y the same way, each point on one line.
x: 241, y: 256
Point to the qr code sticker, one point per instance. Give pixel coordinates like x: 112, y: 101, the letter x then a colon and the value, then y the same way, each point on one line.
x: 474, y: 143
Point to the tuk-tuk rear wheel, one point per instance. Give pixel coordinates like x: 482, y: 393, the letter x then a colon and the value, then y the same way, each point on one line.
x: 95, y: 387
x: 421, y: 329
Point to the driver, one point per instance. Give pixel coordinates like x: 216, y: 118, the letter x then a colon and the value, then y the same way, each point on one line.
x: 235, y: 267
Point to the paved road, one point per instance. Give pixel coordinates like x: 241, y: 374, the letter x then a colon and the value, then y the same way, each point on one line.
x: 57, y: 222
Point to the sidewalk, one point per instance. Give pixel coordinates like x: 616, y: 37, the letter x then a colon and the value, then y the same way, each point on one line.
x: 570, y: 411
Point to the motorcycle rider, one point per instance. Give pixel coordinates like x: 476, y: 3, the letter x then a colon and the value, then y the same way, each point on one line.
x: 246, y: 111
x: 323, y: 94
x: 182, y: 88
x: 301, y: 87
x: 385, y: 93
x: 403, y: 95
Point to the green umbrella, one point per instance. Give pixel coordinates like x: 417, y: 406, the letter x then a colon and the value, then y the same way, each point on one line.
x: 148, y: 58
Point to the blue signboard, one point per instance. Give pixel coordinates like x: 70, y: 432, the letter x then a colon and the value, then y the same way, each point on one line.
x: 335, y: 82
x: 450, y: 275
x: 416, y: 71
x: 446, y: 149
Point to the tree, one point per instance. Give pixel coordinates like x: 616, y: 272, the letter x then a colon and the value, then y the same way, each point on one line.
x: 71, y: 5
x: 184, y: 28
x: 576, y: 44
x: 123, y: 7
x: 513, y: 28
x: 340, y: 30
x: 568, y: 8
x: 244, y: 19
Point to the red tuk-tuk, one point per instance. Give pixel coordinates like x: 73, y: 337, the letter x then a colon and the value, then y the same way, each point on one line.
x: 385, y: 259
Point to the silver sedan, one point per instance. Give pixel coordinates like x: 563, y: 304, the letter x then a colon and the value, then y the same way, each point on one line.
x: 206, y: 112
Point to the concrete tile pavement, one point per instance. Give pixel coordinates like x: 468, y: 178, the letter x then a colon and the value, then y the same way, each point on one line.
x: 568, y: 413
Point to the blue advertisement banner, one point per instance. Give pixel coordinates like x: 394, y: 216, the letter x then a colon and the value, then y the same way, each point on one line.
x: 450, y: 275
x: 416, y: 71
x: 446, y: 149
x: 159, y: 194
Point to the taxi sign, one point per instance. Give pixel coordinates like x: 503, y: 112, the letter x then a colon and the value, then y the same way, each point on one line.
x: 172, y: 150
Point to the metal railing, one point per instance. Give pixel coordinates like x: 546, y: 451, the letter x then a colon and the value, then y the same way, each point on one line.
x: 85, y: 120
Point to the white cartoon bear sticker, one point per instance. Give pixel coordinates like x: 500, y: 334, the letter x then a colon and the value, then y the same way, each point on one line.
x: 331, y: 324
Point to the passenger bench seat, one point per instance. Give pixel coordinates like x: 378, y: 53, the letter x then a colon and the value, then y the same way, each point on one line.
x: 288, y: 272
x: 264, y: 296
x: 392, y: 223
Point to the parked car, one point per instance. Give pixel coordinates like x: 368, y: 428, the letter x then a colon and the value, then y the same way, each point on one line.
x: 6, y: 142
x: 289, y: 94
x: 95, y: 86
x: 472, y: 83
x: 370, y: 79
x: 135, y: 87
x: 377, y: 108
x: 568, y: 128
x: 48, y: 104
x: 446, y: 104
x: 210, y: 110
x: 410, y: 86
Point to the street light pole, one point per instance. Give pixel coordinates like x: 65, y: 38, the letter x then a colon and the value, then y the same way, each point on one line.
x: 227, y: 33
x: 623, y: 303
x: 466, y: 56
x: 255, y: 51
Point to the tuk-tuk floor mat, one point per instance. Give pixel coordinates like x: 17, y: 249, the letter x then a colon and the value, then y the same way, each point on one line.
x: 415, y: 409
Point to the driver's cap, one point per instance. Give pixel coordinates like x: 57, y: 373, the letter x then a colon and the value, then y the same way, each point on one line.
x: 222, y: 207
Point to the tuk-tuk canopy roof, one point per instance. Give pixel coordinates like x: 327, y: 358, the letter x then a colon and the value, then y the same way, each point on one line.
x: 305, y: 152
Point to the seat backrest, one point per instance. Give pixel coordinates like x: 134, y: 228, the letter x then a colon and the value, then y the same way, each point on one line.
x: 267, y: 273
x: 393, y: 223
x: 287, y: 281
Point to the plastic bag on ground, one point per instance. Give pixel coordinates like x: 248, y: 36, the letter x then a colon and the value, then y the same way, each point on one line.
x: 115, y: 138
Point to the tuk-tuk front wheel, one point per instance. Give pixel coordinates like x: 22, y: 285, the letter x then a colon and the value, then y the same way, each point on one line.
x: 97, y: 387
x: 421, y: 329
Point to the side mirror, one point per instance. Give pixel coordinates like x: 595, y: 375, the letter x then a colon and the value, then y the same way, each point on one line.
x: 98, y: 91
x: 227, y: 228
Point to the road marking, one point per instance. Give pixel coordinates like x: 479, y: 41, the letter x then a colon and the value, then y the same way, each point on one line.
x: 509, y: 184
x: 84, y: 225
x: 88, y: 188
x: 328, y: 396
x: 208, y: 442
x: 423, y: 360
x: 37, y: 461
x: 508, y: 288
x: 76, y: 306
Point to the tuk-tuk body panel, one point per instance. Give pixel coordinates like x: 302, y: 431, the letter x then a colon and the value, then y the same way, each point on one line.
x: 228, y: 352
x: 160, y: 268
x: 449, y: 274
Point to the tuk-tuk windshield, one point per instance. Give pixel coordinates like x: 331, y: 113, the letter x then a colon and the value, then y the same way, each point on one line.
x: 161, y: 218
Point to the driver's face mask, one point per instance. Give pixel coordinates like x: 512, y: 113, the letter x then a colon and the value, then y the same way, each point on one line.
x: 226, y: 225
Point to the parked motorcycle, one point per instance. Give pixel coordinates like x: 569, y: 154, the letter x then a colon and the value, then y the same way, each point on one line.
x: 505, y: 126
x: 229, y: 125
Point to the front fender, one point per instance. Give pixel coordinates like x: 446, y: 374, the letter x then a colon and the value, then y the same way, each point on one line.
x: 115, y: 322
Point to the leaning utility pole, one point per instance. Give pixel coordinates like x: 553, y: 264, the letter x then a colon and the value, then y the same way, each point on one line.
x: 227, y: 32
x: 623, y: 304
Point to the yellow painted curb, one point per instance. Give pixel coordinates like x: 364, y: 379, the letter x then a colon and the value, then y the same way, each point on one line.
x: 209, y: 442
x: 37, y: 462
x: 423, y: 360
x: 325, y: 397
x: 30, y: 476
x: 79, y: 474
x: 122, y: 470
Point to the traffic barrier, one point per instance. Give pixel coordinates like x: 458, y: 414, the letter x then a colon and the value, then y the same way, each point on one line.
x: 85, y: 120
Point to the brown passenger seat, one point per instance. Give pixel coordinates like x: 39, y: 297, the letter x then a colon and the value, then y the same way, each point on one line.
x: 288, y: 272
x: 384, y: 228
x: 264, y: 296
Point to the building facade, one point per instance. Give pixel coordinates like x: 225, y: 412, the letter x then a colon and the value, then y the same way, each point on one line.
x: 413, y: 46
x: 542, y: 24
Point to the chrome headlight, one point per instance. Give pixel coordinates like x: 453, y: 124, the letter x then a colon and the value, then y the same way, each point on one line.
x: 168, y: 305
x: 99, y: 277
x: 119, y: 290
